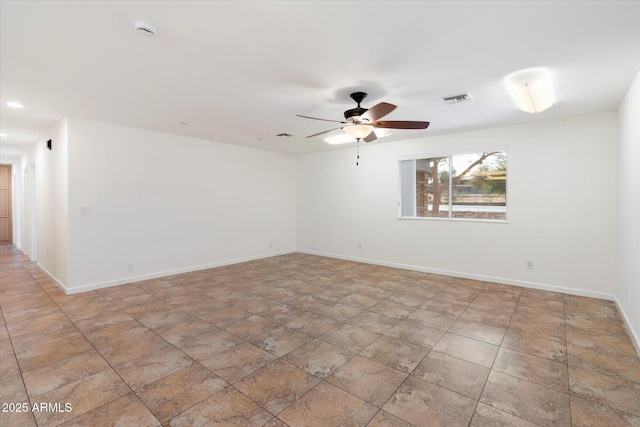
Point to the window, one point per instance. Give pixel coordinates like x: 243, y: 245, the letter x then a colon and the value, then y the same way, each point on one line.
x: 457, y: 186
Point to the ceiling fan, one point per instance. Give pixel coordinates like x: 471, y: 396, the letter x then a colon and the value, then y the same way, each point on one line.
x: 361, y: 123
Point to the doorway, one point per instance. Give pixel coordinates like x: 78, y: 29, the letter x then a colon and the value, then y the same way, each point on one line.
x: 6, y: 227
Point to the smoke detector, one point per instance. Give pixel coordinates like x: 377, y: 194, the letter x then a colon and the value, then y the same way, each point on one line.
x: 454, y: 99
x: 145, y: 28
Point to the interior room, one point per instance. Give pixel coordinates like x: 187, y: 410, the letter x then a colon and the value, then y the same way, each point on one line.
x: 281, y: 213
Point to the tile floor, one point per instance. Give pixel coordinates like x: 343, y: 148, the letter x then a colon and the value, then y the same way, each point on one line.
x: 299, y: 340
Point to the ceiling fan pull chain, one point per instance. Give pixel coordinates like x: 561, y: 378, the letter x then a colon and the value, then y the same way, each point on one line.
x: 357, y: 151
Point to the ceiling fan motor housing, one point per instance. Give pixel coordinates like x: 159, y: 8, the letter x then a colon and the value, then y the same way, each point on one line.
x: 354, y: 114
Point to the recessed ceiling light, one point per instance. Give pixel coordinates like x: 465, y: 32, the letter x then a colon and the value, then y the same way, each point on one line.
x: 14, y: 104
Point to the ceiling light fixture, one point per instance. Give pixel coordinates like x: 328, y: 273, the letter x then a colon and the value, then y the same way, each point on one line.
x: 145, y: 28
x: 358, y: 131
x: 531, y: 89
x: 14, y: 104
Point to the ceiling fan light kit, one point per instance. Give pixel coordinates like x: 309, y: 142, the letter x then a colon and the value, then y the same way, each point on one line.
x: 531, y: 89
x: 358, y: 131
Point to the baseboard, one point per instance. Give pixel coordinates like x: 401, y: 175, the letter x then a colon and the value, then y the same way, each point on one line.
x: 140, y: 278
x: 53, y: 278
x: 463, y: 275
x: 633, y: 334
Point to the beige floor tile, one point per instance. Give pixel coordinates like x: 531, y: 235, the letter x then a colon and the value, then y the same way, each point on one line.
x: 394, y: 353
x: 204, y: 345
x: 225, y: 408
x: 179, y: 391
x: 392, y: 309
x: 367, y: 379
x: 589, y: 414
x: 63, y: 372
x: 338, y: 311
x: 281, y: 340
x: 473, y: 351
x: 350, y: 337
x: 177, y: 333
x: 533, y: 402
x: 495, y: 317
x: 327, y: 405
x: 132, y: 347
x: 424, y: 404
x: 318, y: 357
x: 487, y: 416
x: 532, y: 368
x: 277, y: 385
x: 433, y: 319
x: 223, y: 316
x: 385, y: 419
x: 415, y: 333
x: 538, y: 327
x: 127, y: 410
x: 535, y: 345
x: 465, y: 378
x: 250, y: 327
x: 153, y: 366
x: 610, y: 391
x: 238, y: 361
x: 52, y: 351
x: 83, y: 396
x: 374, y: 322
x: 444, y: 307
x: 478, y: 331
x: 312, y: 324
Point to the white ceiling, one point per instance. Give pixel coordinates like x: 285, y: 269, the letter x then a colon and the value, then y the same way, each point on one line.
x: 239, y: 72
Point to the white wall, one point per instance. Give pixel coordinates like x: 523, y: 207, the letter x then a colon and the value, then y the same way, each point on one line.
x: 168, y: 203
x: 627, y: 290
x: 51, y: 201
x: 561, y: 196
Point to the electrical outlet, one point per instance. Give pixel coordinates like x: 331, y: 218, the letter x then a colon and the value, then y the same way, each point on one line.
x: 359, y: 246
x: 530, y: 265
x: 270, y: 245
x: 84, y: 209
x: 130, y: 266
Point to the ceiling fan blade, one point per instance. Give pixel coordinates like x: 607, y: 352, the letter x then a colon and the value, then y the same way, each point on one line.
x: 378, y: 111
x: 371, y: 137
x: 323, y: 132
x: 324, y: 120
x: 401, y: 125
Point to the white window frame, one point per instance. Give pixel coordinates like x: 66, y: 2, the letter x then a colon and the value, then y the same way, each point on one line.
x: 450, y: 154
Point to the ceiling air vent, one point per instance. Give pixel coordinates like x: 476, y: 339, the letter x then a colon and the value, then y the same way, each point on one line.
x: 285, y: 135
x: 458, y: 98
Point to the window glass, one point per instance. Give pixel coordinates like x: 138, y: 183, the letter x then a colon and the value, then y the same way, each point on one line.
x: 470, y: 185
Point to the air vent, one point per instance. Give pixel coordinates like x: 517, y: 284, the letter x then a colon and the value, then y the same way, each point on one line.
x: 457, y: 98
x: 285, y: 135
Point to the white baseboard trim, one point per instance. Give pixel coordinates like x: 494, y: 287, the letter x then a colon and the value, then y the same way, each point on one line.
x: 140, y: 278
x: 463, y: 275
x: 633, y: 334
x: 53, y: 278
